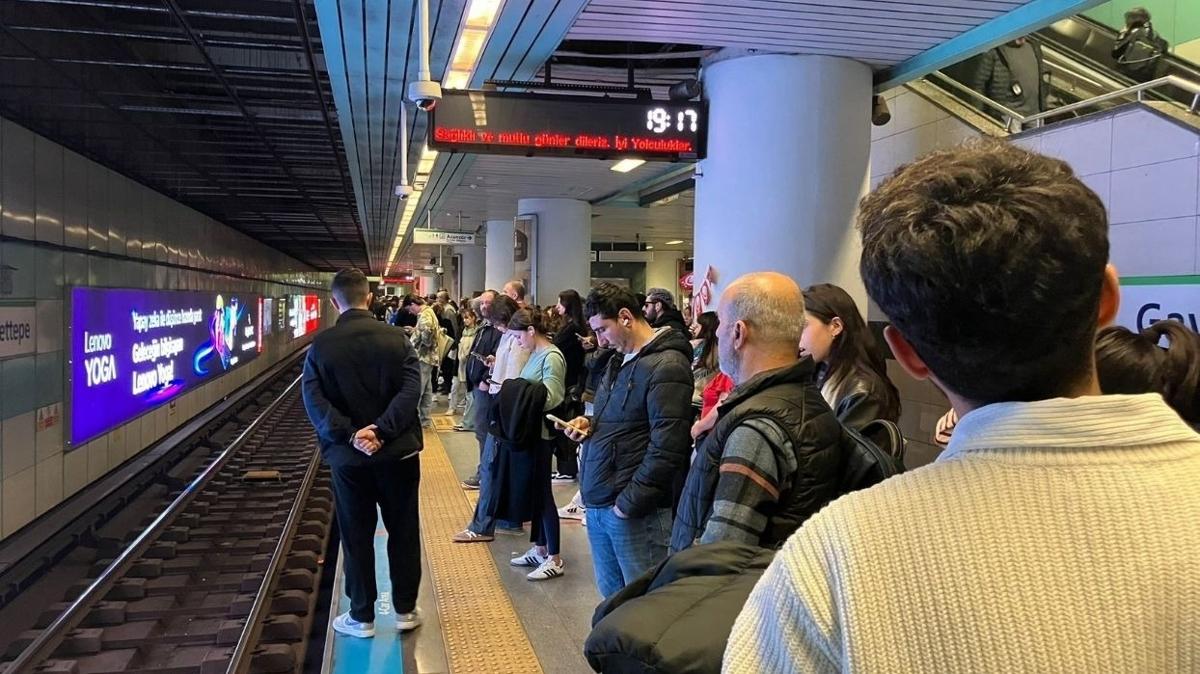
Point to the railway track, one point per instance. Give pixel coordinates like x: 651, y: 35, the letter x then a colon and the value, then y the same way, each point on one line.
x: 224, y: 579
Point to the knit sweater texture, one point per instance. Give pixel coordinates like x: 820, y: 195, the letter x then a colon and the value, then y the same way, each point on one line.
x: 1053, y: 536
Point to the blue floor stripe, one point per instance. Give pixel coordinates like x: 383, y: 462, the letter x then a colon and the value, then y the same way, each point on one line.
x: 383, y: 653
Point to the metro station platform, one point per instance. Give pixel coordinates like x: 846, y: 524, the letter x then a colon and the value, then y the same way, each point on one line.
x: 479, y: 613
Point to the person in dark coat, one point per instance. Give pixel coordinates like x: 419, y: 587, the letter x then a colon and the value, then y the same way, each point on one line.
x: 487, y: 338
x: 660, y: 310
x: 774, y: 457
x: 361, y: 386
x: 636, y: 441
x: 569, y: 340
x: 1015, y: 76
x: 1139, y: 48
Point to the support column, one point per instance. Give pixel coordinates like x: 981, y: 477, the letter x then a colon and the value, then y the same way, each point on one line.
x: 472, y: 262
x: 789, y: 140
x: 498, y: 268
x: 663, y: 272
x: 564, y: 239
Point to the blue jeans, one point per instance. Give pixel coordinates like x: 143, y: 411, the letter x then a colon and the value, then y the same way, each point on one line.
x: 623, y: 549
x: 484, y: 520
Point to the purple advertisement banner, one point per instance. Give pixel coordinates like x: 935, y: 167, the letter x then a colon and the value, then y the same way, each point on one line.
x: 133, y: 350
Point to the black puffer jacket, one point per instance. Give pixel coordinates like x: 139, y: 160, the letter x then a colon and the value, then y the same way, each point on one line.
x: 640, y: 432
x: 677, y: 617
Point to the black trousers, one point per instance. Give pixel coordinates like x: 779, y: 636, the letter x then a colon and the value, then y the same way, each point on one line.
x: 393, y: 486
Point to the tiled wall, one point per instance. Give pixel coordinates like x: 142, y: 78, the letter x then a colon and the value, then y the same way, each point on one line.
x: 1144, y: 167
x: 60, y: 212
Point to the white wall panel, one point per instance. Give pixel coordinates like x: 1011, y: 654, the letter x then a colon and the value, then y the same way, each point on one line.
x: 1154, y: 192
x: 1140, y: 138
x: 1086, y: 146
x: 49, y: 192
x: 19, y: 181
x: 1154, y: 248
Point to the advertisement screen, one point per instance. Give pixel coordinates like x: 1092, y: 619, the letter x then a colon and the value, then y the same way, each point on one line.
x: 132, y: 350
x: 304, y: 314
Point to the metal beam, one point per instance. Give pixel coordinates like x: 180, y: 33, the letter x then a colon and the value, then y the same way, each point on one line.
x: 1023, y: 20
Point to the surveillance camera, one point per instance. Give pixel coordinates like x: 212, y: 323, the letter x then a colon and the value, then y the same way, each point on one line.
x: 404, y: 191
x: 425, y: 93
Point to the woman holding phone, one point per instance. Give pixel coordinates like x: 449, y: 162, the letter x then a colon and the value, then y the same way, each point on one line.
x: 546, y: 366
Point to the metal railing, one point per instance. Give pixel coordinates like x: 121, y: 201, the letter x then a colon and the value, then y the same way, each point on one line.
x: 49, y: 639
x: 1015, y: 121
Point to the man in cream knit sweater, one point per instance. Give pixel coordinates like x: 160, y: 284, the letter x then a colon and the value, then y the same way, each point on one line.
x: 1060, y: 530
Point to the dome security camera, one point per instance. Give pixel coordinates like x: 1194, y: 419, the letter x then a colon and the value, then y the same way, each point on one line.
x: 425, y: 93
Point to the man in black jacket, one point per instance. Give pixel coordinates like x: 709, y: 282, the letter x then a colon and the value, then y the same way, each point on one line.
x: 361, y: 387
x: 661, y: 312
x: 636, y: 441
x: 772, y: 459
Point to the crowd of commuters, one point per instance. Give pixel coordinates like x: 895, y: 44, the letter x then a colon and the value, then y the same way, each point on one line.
x: 1054, y: 531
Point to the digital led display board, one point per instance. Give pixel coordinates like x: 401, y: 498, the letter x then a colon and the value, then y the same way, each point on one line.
x: 574, y: 126
x: 132, y: 350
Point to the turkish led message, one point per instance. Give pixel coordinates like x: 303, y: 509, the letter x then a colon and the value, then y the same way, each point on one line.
x: 133, y: 350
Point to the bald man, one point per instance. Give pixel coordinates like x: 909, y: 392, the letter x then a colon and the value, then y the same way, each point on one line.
x: 772, y: 458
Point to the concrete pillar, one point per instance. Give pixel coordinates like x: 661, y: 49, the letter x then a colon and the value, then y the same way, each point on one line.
x: 472, y: 263
x: 789, y: 141
x: 498, y: 267
x: 564, y: 239
x: 663, y: 272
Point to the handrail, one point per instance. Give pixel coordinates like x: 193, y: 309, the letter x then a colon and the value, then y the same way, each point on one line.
x: 1136, y: 89
x: 240, y: 661
x: 1018, y: 121
x: 45, y: 643
x: 1010, y: 115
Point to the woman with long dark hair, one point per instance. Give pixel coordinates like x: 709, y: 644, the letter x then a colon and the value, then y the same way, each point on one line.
x: 850, y: 367
x: 1139, y: 362
x: 569, y: 338
x: 705, y: 364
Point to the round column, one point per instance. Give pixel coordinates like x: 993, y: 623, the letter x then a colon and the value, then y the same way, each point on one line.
x: 564, y: 239
x: 498, y: 266
x: 472, y: 263
x: 789, y: 141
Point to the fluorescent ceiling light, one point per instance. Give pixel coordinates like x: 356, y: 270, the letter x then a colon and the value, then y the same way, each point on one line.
x: 472, y: 36
x: 649, y: 247
x: 676, y: 242
x: 627, y: 165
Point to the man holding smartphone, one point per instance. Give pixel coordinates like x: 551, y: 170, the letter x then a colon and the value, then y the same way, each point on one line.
x: 636, y: 441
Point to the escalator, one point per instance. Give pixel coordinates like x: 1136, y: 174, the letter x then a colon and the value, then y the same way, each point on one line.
x: 1077, y: 52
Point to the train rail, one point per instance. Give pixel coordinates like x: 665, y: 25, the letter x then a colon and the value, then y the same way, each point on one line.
x: 224, y: 579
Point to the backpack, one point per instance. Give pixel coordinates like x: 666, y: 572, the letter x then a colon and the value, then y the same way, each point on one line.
x: 1142, y: 50
x: 871, y: 455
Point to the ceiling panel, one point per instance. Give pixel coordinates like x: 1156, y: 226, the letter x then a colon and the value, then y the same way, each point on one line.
x: 220, y: 104
x: 879, y: 32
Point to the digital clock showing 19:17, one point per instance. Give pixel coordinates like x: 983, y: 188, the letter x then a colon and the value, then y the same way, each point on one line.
x: 569, y: 126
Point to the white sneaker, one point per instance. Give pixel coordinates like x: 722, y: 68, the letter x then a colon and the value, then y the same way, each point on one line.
x: 583, y: 520
x: 575, y: 510
x: 408, y: 621
x: 344, y: 624
x: 547, y: 570
x: 531, y: 558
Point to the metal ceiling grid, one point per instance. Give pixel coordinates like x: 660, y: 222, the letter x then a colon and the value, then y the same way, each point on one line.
x: 222, y: 105
x: 881, y: 33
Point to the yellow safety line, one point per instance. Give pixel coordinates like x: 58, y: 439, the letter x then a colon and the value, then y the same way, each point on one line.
x: 479, y: 624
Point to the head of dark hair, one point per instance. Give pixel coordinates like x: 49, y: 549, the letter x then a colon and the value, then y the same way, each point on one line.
x: 501, y: 310
x: 411, y: 299
x: 607, y: 300
x: 1130, y: 362
x: 529, y: 318
x: 855, y: 348
x: 350, y: 288
x: 989, y: 260
x: 709, y: 353
x: 573, y: 304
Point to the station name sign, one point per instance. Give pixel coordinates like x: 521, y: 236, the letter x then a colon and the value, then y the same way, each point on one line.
x: 569, y: 126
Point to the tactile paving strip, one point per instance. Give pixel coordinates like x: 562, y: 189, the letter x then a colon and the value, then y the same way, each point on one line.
x: 443, y: 423
x: 479, y: 624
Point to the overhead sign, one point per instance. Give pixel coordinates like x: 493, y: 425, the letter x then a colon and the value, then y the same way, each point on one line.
x: 1147, y: 299
x: 18, y: 330
x: 569, y: 126
x: 133, y: 350
x: 437, y: 237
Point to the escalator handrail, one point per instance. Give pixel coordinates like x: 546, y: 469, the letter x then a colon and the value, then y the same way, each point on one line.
x: 1016, y: 121
x: 1137, y: 90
